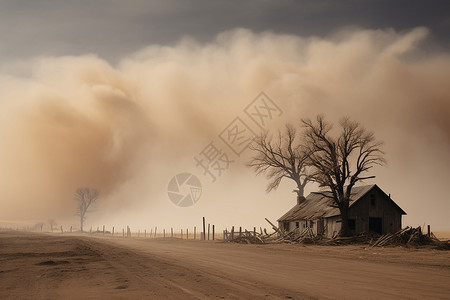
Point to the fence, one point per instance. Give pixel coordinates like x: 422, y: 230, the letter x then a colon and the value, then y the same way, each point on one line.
x: 206, y: 232
x: 232, y: 234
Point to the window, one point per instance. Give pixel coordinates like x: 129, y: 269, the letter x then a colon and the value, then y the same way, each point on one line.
x: 373, y: 201
x: 352, y: 224
x: 286, y: 226
x: 311, y: 224
x: 297, y: 224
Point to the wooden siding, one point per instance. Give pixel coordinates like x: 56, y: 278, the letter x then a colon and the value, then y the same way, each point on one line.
x: 381, y: 207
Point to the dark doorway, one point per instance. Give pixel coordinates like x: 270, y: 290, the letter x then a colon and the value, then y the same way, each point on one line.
x: 320, y: 227
x: 375, y: 225
x: 352, y: 224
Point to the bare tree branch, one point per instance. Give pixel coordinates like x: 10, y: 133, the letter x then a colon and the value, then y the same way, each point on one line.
x: 338, y: 163
x: 85, y: 197
x: 282, y: 157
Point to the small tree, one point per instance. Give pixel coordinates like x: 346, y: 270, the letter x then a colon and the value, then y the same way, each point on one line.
x: 85, y: 198
x: 52, y: 223
x: 338, y: 163
x: 39, y: 226
x: 281, y: 158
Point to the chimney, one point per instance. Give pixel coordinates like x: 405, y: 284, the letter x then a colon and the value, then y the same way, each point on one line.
x: 300, y: 199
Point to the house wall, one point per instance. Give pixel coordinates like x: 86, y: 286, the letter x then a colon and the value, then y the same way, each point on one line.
x: 303, y: 224
x: 364, y: 209
x: 361, y: 212
x: 332, y: 226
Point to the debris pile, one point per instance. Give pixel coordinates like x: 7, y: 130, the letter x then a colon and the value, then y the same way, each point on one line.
x: 248, y: 238
x: 410, y: 236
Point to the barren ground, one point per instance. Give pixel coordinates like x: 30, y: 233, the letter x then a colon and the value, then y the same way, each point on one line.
x: 40, y: 266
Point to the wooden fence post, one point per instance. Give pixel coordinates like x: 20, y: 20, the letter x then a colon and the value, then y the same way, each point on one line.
x: 145, y: 233
x: 62, y: 229
x: 187, y: 233
x: 254, y: 231
x: 103, y: 229
x: 164, y: 232
x: 123, y: 232
x: 171, y: 232
x: 151, y: 232
x: 181, y: 233
x: 204, y: 229
x: 429, y: 230
x: 155, y: 230
x: 195, y: 232
x: 208, y: 231
x: 213, y: 232
x: 113, y: 231
x: 232, y: 232
x: 240, y: 230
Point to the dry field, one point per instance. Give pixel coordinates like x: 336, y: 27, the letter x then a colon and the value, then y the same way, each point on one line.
x: 40, y: 266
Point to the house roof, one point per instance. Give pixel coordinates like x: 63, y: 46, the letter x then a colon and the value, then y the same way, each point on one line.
x: 317, y: 205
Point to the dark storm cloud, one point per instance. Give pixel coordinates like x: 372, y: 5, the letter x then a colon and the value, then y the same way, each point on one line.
x: 113, y: 28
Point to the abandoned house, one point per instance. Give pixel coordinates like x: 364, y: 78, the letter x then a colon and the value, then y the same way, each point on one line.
x: 370, y: 209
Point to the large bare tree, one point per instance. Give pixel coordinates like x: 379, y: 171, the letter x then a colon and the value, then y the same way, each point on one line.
x: 340, y: 161
x: 85, y: 198
x: 282, y: 157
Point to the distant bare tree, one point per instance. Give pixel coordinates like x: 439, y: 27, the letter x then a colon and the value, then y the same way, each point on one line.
x: 281, y: 158
x: 338, y: 163
x: 39, y: 226
x: 85, y: 198
x: 52, y: 223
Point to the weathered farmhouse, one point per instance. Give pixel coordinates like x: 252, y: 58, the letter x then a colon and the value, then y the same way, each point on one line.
x: 370, y: 210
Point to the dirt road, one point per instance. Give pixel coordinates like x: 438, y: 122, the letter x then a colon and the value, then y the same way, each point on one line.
x: 77, y: 267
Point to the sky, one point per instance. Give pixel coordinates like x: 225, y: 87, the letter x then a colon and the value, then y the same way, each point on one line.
x: 123, y: 96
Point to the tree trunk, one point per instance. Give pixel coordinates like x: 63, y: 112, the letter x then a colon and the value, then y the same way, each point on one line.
x: 301, y: 191
x: 81, y: 222
x: 345, y: 229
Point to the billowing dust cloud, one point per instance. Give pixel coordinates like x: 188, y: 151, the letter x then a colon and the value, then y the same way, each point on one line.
x: 126, y: 129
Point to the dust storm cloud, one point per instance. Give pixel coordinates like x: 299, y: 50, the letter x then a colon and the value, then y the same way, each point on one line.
x: 126, y: 129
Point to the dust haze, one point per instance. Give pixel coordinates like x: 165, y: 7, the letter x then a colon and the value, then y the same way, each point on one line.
x: 126, y: 129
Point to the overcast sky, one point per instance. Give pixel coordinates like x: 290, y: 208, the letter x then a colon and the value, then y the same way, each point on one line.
x: 114, y: 28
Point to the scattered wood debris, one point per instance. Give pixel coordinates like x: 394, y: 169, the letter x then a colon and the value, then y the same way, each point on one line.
x: 248, y: 237
x: 408, y: 236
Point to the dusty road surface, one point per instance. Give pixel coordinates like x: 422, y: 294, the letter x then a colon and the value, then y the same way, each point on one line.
x: 35, y: 266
